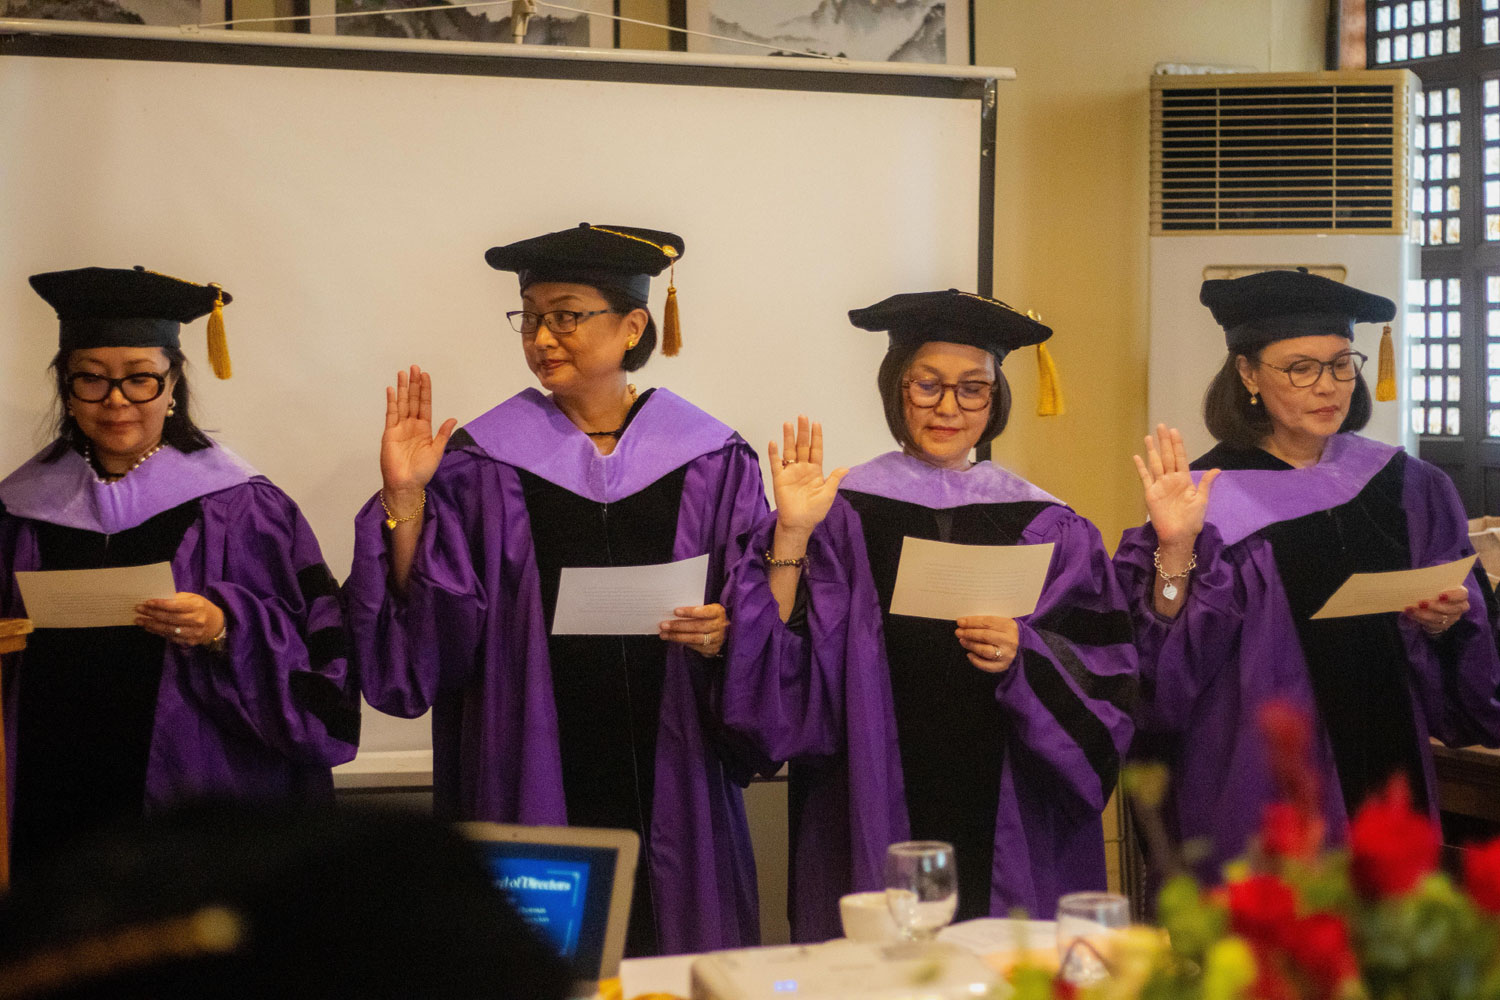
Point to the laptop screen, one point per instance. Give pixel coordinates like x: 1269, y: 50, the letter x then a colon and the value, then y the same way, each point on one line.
x: 561, y: 891
x: 573, y: 884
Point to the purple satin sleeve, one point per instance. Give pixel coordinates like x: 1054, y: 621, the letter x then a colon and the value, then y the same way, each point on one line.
x: 782, y: 691
x: 1081, y: 630
x: 822, y: 700
x: 1069, y: 695
x: 1181, y: 657
x: 410, y: 647
x: 284, y: 680
x: 1455, y: 675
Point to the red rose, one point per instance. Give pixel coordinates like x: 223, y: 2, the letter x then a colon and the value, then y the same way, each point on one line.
x: 1390, y: 846
x: 1288, y: 832
x: 1482, y: 875
x: 1319, y: 944
x: 1261, y: 908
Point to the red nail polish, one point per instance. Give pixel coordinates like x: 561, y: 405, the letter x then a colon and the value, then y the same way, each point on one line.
x: 1424, y: 605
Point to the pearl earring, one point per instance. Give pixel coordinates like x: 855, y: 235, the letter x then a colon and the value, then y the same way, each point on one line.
x: 172, y: 408
x: 1255, y: 399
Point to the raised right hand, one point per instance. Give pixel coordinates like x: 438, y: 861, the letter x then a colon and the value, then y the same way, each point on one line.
x: 1175, y: 504
x: 409, y: 452
x: 803, y: 493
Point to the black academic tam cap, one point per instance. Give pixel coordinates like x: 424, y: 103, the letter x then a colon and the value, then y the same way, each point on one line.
x: 131, y: 307
x: 123, y: 307
x: 958, y: 317
x: 620, y: 257
x: 1261, y: 308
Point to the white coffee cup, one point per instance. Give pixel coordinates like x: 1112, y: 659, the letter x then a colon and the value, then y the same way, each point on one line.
x: 866, y: 917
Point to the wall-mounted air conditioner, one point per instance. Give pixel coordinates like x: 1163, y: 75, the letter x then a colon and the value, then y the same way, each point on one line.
x: 1254, y: 171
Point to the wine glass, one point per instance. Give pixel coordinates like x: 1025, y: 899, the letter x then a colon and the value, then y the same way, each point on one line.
x: 1087, y: 923
x: 921, y: 887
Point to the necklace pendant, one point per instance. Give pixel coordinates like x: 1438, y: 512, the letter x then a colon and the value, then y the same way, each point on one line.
x: 390, y: 524
x: 1169, y: 591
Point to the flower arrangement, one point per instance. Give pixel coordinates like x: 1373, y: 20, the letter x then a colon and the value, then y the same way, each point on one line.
x: 1373, y: 920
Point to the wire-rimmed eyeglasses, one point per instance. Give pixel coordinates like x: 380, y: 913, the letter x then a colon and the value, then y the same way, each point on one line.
x: 138, y: 387
x: 557, y: 320
x: 971, y: 394
x: 1305, y: 373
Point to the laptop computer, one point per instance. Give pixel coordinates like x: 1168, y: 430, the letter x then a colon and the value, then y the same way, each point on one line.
x: 572, y: 883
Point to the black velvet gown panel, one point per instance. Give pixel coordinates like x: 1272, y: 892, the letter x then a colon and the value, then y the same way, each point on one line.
x: 1357, y: 665
x: 87, y: 699
x: 951, y: 729
x: 607, y: 689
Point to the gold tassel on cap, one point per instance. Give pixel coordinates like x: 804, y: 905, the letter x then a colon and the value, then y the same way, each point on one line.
x: 671, y: 324
x: 1049, y: 397
x: 218, y: 342
x: 1385, y: 382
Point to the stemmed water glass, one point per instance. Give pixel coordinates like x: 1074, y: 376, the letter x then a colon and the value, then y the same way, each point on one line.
x: 921, y: 887
x: 1087, y: 924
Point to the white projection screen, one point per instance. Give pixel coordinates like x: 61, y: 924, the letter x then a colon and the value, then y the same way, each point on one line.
x: 345, y: 198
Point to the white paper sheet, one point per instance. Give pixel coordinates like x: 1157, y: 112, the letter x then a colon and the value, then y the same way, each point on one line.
x: 1397, y: 590
x: 988, y: 935
x: 947, y: 581
x: 92, y: 598
x: 626, y: 600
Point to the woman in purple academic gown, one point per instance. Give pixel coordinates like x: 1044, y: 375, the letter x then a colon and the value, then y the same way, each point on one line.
x: 1223, y: 590
x: 456, y: 573
x: 235, y: 687
x: 1002, y: 736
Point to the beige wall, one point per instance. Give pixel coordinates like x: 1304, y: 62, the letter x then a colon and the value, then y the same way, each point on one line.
x: 1071, y: 225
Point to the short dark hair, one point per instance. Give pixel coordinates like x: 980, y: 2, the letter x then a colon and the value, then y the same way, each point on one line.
x: 893, y: 370
x: 179, y: 431
x: 622, y: 302
x: 1232, y: 419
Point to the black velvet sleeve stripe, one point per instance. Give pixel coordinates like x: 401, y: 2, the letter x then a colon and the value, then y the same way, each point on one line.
x: 1081, y: 725
x: 1119, y: 690
x: 459, y: 439
x: 326, y: 645
x: 1084, y: 627
x: 325, y: 701
x: 317, y: 581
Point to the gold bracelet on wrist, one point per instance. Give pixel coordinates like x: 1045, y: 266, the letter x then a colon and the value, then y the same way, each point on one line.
x: 219, y: 643
x: 391, y: 520
x: 773, y: 561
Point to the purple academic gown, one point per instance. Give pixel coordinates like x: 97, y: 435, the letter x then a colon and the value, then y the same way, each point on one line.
x: 1235, y: 644
x: 267, y: 719
x: 470, y: 638
x: 827, y: 693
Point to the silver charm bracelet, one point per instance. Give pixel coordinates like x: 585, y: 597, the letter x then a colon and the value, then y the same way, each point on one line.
x: 1170, y: 591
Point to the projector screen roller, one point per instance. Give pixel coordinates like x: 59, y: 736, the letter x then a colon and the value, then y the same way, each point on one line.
x: 348, y: 207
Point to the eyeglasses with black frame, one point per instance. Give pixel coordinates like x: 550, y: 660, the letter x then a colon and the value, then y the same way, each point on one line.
x: 137, y: 387
x: 557, y: 320
x: 971, y: 394
x: 1305, y: 373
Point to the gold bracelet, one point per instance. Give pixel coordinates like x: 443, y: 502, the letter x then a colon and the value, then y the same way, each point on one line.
x: 391, y: 520
x: 773, y: 561
x: 219, y: 643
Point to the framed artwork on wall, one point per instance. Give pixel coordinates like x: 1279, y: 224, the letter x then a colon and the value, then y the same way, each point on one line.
x: 587, y: 27
x: 925, y: 31
x: 158, y: 13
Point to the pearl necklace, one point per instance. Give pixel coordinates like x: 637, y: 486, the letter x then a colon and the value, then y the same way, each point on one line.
x: 110, y: 478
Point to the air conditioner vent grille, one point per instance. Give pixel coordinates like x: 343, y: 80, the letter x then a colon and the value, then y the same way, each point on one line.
x: 1231, y: 154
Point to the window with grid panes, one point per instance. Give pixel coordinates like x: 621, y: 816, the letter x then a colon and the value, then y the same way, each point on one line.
x: 1452, y: 327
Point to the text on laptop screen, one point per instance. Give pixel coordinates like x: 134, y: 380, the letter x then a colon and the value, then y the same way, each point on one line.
x: 563, y: 891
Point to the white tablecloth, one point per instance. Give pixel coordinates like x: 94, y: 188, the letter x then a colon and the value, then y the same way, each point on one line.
x: 987, y: 935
